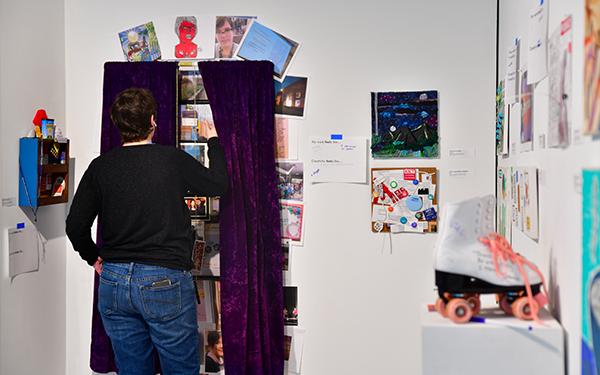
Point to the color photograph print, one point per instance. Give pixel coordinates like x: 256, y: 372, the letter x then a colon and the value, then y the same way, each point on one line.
x: 194, y: 120
x: 404, y: 200
x: 198, y: 151
x: 291, y: 180
x: 591, y: 123
x: 191, y: 87
x: 526, y: 114
x: 292, y: 221
x: 290, y: 305
x: 290, y: 96
x: 590, y: 301
x: 198, y: 207
x: 404, y: 125
x: 140, y: 43
x: 229, y: 32
x: 262, y: 43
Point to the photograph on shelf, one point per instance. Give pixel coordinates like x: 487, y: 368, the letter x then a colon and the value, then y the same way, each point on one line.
x: 503, y: 215
x: 404, y: 200
x: 290, y: 96
x: 404, y: 124
x: 290, y: 305
x: 292, y: 221
x: 195, y: 119
x: 590, y: 304
x: 591, y: 123
x: 186, y: 28
x: 291, y: 180
x: 559, y: 82
x: 198, y: 151
x: 262, y: 43
x: 198, y: 207
x: 191, y: 87
x: 211, y: 264
x: 229, y: 32
x: 526, y: 114
x: 140, y: 43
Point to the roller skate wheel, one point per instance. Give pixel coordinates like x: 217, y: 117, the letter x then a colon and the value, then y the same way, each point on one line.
x: 459, y: 310
x: 505, y: 305
x: 475, y: 304
x: 523, y: 310
x: 440, y: 306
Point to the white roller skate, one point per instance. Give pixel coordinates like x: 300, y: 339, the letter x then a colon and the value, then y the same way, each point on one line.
x: 471, y: 259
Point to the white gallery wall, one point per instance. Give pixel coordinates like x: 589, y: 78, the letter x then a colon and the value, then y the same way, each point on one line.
x: 558, y: 250
x: 360, y: 294
x: 32, y: 76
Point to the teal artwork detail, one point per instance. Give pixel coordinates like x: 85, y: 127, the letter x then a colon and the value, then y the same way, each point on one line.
x: 590, y: 307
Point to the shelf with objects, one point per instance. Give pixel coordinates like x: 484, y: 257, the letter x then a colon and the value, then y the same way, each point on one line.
x: 43, y: 171
x: 194, y: 114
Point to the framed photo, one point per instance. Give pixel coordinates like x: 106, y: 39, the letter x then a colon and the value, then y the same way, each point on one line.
x: 198, y: 151
x: 191, y: 87
x: 198, y: 207
x: 262, y: 43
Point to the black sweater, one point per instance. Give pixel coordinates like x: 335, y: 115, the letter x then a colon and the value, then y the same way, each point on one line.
x: 137, y: 193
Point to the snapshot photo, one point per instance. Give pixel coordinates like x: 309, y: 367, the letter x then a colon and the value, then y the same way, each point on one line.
x: 191, y: 87
x: 262, y: 43
x: 229, y: 32
x: 291, y: 180
x: 290, y: 305
x: 194, y: 121
x: 198, y: 207
x: 290, y: 96
x: 198, y: 151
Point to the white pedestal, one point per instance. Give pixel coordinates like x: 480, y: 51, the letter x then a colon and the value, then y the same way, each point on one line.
x: 502, y: 345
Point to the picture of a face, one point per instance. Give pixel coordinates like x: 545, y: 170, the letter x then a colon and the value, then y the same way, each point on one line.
x: 225, y: 35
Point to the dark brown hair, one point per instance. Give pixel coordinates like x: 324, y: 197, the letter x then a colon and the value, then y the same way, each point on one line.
x: 131, y: 113
x: 221, y: 22
x: 213, y: 338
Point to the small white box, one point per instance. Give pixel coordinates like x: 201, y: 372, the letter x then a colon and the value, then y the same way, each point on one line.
x: 502, y: 345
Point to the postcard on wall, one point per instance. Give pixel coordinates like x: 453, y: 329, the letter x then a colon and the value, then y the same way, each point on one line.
x: 229, y: 32
x: 590, y: 302
x: 293, y: 349
x: 338, y: 159
x: 525, y: 200
x: 262, y: 43
x: 404, y: 124
x: 290, y: 305
x: 191, y: 87
x: 560, y: 72
x: 292, y: 222
x: 291, y: 180
x: 290, y: 96
x: 140, y: 43
x: 526, y: 114
x: 511, y: 91
x: 591, y: 123
x: 500, y: 119
x: 537, y: 46
x: 503, y: 214
x: 404, y: 200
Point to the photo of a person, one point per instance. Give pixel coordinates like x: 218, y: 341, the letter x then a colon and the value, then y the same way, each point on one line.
x: 214, y: 353
x: 229, y: 31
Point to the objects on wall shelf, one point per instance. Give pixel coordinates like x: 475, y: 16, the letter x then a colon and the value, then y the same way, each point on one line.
x: 43, y: 172
x: 404, y: 200
x: 140, y: 43
x: 186, y: 28
x: 404, y: 125
x: 229, y: 32
x: 470, y: 259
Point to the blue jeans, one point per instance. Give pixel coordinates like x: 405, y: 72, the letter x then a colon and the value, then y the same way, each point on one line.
x: 145, y: 307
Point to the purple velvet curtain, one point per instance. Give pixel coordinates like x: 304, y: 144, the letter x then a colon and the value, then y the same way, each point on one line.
x: 161, y: 79
x: 241, y: 95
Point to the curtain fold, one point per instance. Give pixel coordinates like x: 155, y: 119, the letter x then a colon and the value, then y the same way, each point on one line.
x: 241, y: 96
x: 161, y: 79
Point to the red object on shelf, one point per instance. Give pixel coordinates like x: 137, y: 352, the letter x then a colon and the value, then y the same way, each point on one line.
x: 39, y: 116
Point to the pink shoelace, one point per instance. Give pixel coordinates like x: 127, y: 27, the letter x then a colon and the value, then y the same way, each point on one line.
x: 502, y: 251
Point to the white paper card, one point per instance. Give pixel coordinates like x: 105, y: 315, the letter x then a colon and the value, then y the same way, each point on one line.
x: 537, y: 41
x: 23, y: 251
x: 511, y: 94
x: 338, y: 160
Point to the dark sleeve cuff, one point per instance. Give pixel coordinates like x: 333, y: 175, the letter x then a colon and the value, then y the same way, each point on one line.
x: 213, y: 141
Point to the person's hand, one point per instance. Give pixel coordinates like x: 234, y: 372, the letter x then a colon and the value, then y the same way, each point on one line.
x: 211, y: 131
x: 98, y: 265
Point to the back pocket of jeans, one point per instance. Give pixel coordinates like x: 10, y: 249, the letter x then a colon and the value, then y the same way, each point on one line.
x: 107, y: 296
x: 161, y: 302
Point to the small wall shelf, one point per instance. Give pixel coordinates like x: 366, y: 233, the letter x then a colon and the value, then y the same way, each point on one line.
x: 43, y: 172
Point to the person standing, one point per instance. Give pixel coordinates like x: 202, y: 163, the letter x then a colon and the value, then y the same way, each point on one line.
x: 146, y: 296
